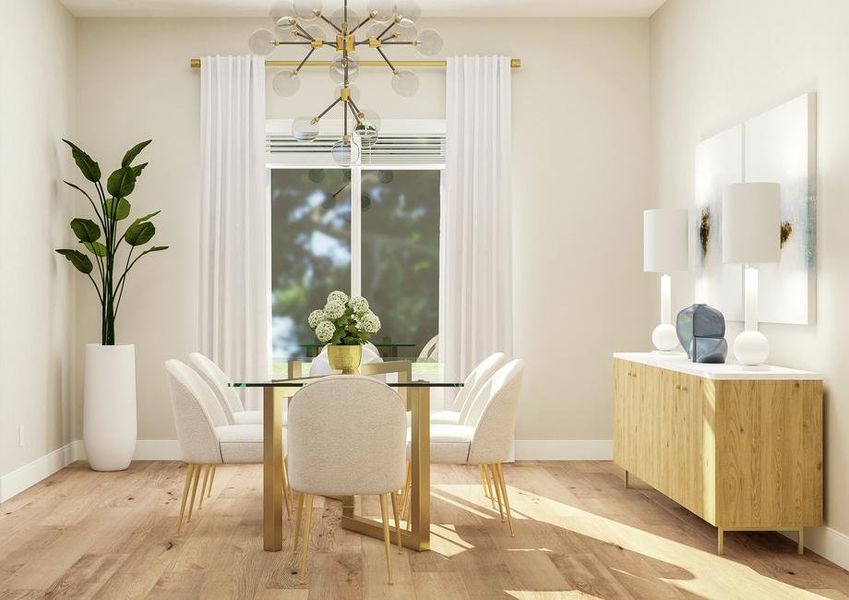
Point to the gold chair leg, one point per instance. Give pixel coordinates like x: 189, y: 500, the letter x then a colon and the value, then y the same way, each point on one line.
x: 195, y: 478
x: 299, y: 514
x: 203, y: 487
x: 190, y: 469
x: 287, y: 492
x: 488, y: 485
x: 211, y: 479
x: 503, y: 485
x: 497, y: 491
x: 486, y: 491
x: 384, y: 513
x: 395, y: 512
x: 307, y: 525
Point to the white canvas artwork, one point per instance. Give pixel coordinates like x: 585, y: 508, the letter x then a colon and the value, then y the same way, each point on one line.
x: 719, y: 162
x: 777, y: 146
x: 780, y: 146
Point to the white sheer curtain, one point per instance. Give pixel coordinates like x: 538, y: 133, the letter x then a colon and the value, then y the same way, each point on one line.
x: 233, y: 312
x: 475, y: 267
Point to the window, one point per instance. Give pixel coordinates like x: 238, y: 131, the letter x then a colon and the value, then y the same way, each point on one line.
x: 385, y: 248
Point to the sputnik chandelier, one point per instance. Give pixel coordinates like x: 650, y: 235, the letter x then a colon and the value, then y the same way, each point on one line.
x: 303, y: 23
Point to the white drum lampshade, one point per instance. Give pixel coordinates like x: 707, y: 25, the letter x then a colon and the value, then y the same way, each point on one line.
x: 665, y: 249
x: 751, y: 235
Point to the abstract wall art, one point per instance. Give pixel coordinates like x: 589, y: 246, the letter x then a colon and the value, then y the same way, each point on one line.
x: 778, y: 145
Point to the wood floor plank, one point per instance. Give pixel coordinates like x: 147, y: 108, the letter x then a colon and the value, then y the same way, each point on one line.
x: 579, y: 534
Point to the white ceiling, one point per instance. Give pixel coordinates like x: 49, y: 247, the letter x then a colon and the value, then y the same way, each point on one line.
x: 430, y: 8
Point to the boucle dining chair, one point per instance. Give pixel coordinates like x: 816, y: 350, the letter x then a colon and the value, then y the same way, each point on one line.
x: 227, y: 396
x: 206, y: 438
x: 346, y: 438
x: 461, y: 407
x: 486, y: 439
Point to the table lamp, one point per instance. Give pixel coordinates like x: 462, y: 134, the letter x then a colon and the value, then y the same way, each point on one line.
x: 751, y: 223
x: 664, y: 251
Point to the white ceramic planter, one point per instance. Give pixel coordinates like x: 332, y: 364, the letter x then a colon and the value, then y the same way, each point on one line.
x: 109, y: 412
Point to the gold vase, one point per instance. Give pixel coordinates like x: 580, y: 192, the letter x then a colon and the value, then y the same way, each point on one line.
x: 345, y: 358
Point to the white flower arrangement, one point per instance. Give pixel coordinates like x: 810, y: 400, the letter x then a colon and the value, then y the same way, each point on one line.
x: 324, y: 331
x: 343, y: 320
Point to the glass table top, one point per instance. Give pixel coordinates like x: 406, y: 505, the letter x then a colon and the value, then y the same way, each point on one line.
x: 302, y: 381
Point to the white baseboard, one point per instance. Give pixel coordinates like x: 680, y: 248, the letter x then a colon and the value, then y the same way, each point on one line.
x: 827, y: 542
x: 15, y: 482
x: 564, y: 449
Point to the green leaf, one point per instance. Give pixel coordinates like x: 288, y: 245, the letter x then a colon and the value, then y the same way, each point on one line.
x: 86, y: 230
x: 78, y: 259
x: 122, y: 211
x: 88, y: 167
x: 139, y: 233
x: 133, y: 152
x: 152, y: 249
x: 95, y: 248
x: 147, y: 217
x: 121, y: 182
x: 138, y: 169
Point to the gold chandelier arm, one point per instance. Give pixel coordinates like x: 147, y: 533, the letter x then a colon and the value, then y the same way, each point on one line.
x: 326, y: 110
x: 385, y: 31
x: 306, y: 58
x: 363, y: 22
x: 388, y: 62
x: 331, y: 23
x: 355, y: 110
x: 303, y: 31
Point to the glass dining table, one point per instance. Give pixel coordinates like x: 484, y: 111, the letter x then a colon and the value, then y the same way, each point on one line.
x: 415, y: 531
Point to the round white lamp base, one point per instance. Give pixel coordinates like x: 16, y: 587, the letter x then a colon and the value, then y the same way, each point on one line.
x: 664, y: 337
x: 751, y: 348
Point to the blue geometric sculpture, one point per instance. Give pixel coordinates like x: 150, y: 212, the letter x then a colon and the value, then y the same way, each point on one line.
x: 701, y: 331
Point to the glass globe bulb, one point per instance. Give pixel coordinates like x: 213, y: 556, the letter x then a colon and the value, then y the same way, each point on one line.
x: 304, y: 130
x: 429, y: 43
x: 405, y: 83
x: 373, y: 118
x: 367, y: 132
x: 408, y: 13
x: 365, y: 202
x: 381, y: 11
x: 261, y: 42
x: 307, y: 9
x: 385, y: 176
x: 315, y: 30
x: 282, y: 14
x: 316, y: 175
x: 353, y: 90
x: 354, y: 17
x: 286, y: 83
x: 345, y: 152
x: 337, y: 67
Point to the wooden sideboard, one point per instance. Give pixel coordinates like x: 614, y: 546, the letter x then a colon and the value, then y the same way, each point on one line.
x: 741, y: 447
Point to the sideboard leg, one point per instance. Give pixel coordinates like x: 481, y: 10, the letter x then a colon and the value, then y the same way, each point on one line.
x: 800, y: 549
x: 626, y: 478
x: 720, y: 541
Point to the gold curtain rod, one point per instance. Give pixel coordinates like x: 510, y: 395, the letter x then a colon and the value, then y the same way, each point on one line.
x: 514, y: 63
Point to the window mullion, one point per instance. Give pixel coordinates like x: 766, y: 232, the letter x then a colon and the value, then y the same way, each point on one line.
x: 356, y: 230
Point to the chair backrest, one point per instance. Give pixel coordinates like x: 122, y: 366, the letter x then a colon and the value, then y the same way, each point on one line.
x: 430, y: 351
x: 494, y: 431
x: 217, y: 379
x: 346, y: 435
x: 321, y: 364
x: 196, y: 413
x: 468, y: 395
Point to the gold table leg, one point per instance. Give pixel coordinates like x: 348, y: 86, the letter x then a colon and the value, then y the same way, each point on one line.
x: 272, y: 471
x: 418, y: 538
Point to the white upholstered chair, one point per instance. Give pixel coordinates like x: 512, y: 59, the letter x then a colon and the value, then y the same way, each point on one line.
x: 486, y: 439
x: 463, y: 407
x: 227, y: 396
x: 206, y: 438
x: 346, y: 437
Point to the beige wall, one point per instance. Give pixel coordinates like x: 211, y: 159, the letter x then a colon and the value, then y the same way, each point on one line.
x: 37, y: 79
x: 715, y: 63
x: 581, y: 180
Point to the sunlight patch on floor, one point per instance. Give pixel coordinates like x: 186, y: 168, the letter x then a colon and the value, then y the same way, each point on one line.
x: 445, y: 540
x: 708, y: 574
x: 570, y: 595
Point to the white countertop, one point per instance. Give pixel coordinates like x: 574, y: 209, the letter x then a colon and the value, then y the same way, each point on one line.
x: 682, y: 364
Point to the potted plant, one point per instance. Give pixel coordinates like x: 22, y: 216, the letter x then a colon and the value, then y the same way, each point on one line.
x: 109, y: 411
x: 345, y: 324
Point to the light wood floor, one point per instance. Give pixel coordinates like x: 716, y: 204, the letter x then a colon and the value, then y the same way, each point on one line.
x: 579, y: 534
